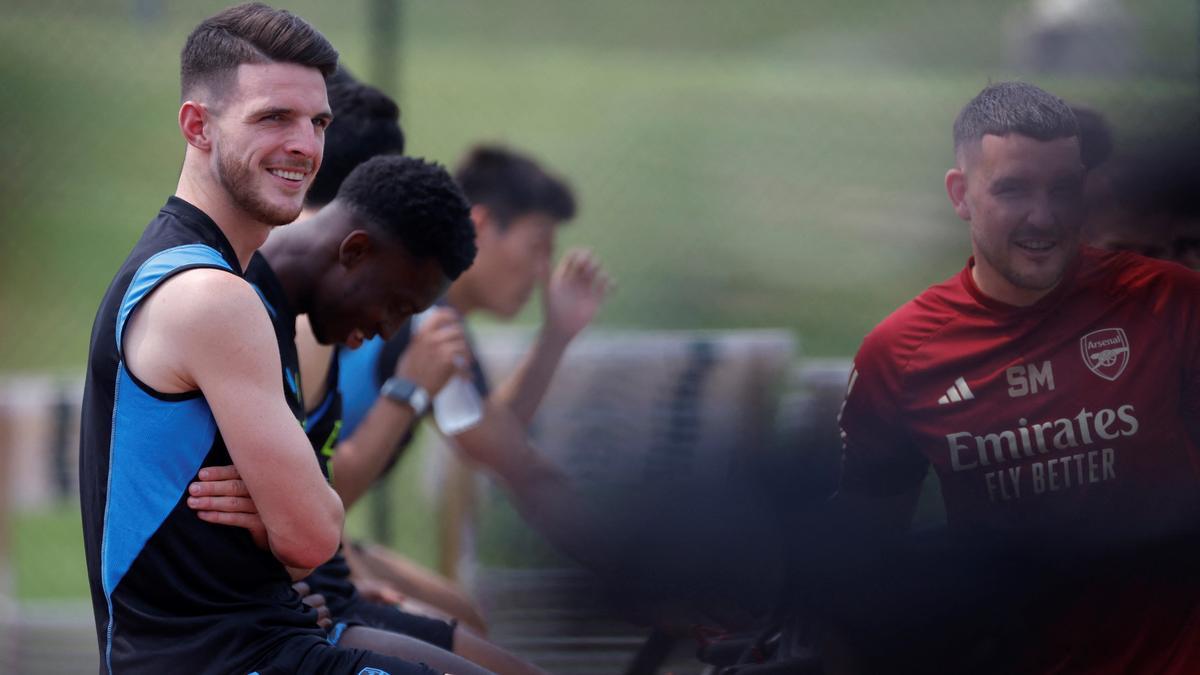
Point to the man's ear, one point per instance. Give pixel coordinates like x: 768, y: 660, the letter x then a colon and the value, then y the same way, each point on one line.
x: 355, y: 248
x: 484, y: 220
x: 193, y: 122
x: 956, y: 189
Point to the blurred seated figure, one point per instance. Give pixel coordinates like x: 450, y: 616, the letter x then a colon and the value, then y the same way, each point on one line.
x: 387, y: 385
x: 1141, y: 199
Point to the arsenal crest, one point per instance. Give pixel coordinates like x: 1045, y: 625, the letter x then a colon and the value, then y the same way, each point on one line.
x: 1106, y: 352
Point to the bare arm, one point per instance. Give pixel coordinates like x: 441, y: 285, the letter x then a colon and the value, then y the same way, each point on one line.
x: 207, y: 330
x: 360, y: 459
x: 219, y: 496
x: 542, y: 493
x: 429, y: 361
x: 571, y: 298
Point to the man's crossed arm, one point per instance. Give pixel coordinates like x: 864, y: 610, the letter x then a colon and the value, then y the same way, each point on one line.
x: 207, y: 330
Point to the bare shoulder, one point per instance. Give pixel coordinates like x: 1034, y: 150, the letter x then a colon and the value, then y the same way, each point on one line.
x: 191, y: 292
x: 216, y: 310
x: 195, y: 321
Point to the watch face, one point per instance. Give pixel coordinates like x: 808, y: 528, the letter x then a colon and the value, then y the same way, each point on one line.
x: 419, y: 400
x: 404, y: 391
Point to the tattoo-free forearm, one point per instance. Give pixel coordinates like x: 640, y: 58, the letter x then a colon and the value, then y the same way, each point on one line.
x: 522, y: 392
x: 361, y: 458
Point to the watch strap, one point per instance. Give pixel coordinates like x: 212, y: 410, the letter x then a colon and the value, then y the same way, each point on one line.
x: 406, y: 391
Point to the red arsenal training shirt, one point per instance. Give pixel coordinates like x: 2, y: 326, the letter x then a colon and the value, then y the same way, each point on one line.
x: 1077, y: 417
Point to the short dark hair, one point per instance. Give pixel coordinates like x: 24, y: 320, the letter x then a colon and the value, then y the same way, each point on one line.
x: 510, y: 184
x: 1014, y: 107
x: 249, y: 33
x: 366, y: 123
x: 418, y: 204
x: 1095, y: 136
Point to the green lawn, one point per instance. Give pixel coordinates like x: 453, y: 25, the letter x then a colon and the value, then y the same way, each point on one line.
x: 773, y: 164
x: 739, y: 164
x: 48, y: 545
x: 48, y: 554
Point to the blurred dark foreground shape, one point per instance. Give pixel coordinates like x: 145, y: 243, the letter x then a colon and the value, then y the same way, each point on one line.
x: 679, y: 439
x: 692, y: 450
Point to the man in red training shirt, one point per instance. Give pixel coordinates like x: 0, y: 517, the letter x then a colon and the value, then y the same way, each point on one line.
x: 1055, y: 391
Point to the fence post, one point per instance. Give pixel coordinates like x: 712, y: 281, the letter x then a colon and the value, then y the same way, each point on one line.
x: 6, y: 452
x: 384, y: 44
x: 65, y: 413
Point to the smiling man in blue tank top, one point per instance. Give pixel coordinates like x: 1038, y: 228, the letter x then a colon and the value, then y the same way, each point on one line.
x: 184, y: 373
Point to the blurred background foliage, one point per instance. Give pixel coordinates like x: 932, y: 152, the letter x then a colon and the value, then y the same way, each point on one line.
x: 741, y: 164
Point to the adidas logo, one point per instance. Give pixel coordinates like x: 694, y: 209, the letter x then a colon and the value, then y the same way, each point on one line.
x: 959, y: 392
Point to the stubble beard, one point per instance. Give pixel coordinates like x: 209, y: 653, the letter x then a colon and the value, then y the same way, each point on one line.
x: 238, y: 181
x: 1006, y: 265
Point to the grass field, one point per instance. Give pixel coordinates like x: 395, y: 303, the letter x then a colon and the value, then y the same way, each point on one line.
x: 772, y: 163
x: 778, y: 165
x: 48, y: 544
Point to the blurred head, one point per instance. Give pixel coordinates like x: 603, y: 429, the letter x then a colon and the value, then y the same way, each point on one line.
x: 1018, y: 181
x: 517, y: 207
x: 403, y: 234
x: 366, y: 124
x: 1108, y: 221
x: 1095, y: 136
x: 1118, y: 230
x: 255, y: 108
x: 1146, y: 199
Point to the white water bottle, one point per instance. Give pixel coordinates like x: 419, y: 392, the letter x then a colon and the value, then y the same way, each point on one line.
x: 457, y: 407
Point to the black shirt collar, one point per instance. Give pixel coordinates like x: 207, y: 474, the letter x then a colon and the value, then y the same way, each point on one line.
x: 193, y: 217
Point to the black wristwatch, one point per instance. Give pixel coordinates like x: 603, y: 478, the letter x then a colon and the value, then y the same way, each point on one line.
x: 407, y: 392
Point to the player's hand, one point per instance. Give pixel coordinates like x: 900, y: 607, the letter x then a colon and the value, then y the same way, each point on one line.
x: 317, y: 602
x: 437, y: 351
x: 373, y: 590
x: 574, y: 292
x: 221, y: 497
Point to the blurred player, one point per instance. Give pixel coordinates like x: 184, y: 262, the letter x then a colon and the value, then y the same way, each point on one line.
x: 1143, y: 199
x: 517, y: 208
x: 1055, y: 391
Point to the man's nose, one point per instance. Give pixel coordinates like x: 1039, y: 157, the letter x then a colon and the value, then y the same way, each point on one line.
x: 305, y: 141
x: 1042, y: 212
